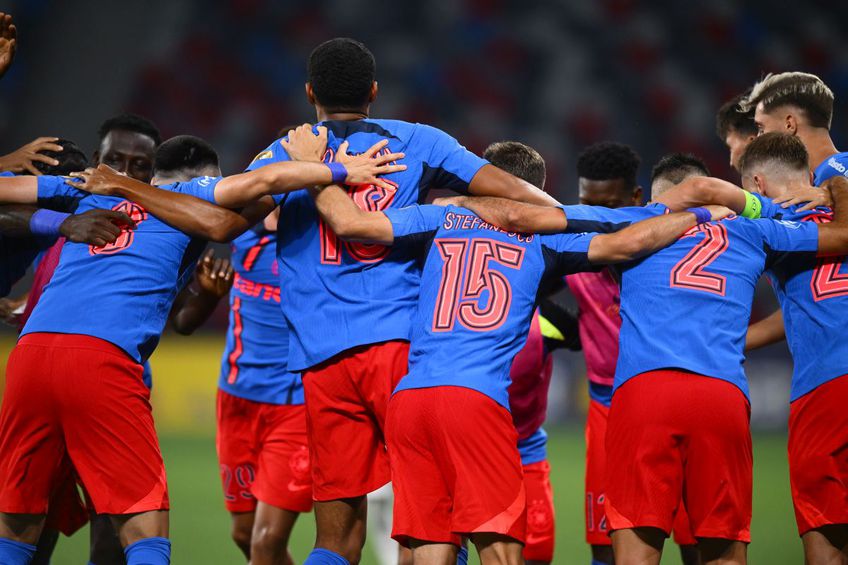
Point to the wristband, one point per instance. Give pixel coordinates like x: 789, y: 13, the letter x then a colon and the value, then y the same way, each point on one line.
x: 46, y: 222
x: 338, y: 171
x: 702, y: 215
x: 753, y: 207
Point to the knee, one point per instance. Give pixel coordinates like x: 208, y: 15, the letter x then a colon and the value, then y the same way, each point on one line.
x: 241, y: 535
x: 268, y: 539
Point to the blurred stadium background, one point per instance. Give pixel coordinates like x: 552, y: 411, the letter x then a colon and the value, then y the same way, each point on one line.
x: 557, y: 75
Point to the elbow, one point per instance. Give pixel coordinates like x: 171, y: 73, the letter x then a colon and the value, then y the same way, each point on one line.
x: 516, y: 221
x: 181, y: 327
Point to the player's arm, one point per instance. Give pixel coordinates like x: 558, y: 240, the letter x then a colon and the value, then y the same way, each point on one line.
x: 833, y: 237
x: 700, y: 191
x: 185, y: 212
x: 648, y: 236
x: 510, y: 215
x: 23, y: 159
x: 765, y: 332
x: 19, y: 190
x: 348, y: 221
x: 94, y: 227
x: 213, y: 280
x: 559, y: 326
x: 8, y: 42
x: 492, y: 181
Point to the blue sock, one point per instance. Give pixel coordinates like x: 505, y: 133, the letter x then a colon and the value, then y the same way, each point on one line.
x: 15, y: 552
x: 462, y: 556
x: 320, y: 556
x: 596, y: 562
x: 149, y: 551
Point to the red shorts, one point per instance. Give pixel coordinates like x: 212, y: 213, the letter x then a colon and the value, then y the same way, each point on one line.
x: 540, y: 512
x: 455, y: 466
x: 597, y: 532
x: 818, y: 456
x: 80, y: 398
x: 263, y: 454
x: 678, y: 435
x: 67, y: 512
x: 346, y: 400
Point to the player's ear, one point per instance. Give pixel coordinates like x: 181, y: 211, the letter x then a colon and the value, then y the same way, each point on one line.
x: 791, y: 124
x: 812, y: 178
x: 373, y: 94
x: 309, y: 94
x: 637, y: 196
x: 760, y: 183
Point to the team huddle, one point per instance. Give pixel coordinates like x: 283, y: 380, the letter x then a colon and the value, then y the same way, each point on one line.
x: 374, y: 337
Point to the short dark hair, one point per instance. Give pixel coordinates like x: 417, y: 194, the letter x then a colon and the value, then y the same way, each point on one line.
x: 775, y: 148
x: 184, y: 153
x: 71, y: 159
x: 130, y: 122
x: 519, y: 160
x: 341, y: 72
x: 807, y: 92
x: 676, y: 167
x: 731, y: 117
x: 608, y: 160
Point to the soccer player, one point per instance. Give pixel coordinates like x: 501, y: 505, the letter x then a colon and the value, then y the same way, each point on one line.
x: 735, y: 128
x: 261, y: 439
x: 799, y: 104
x: 673, y: 169
x: 456, y: 468
x: 811, y: 292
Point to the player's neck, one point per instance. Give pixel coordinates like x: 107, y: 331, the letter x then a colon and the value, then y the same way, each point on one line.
x: 341, y: 115
x: 820, y: 146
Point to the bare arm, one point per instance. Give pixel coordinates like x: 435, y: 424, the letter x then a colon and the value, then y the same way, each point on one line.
x: 347, y: 221
x: 512, y: 216
x: 765, y: 332
x: 14, y: 220
x: 213, y: 279
x: 833, y: 237
x: 19, y: 190
x: 187, y: 213
x: 492, y: 181
x: 699, y: 191
x: 646, y: 237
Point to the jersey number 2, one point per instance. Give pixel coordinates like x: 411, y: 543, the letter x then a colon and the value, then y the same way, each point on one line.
x: 827, y: 281
x: 691, y: 271
x: 459, y: 296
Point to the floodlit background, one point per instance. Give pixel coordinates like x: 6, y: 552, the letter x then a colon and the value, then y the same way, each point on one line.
x: 556, y: 75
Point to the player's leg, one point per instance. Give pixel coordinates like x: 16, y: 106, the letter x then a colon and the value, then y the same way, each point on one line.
x: 638, y: 546
x: 428, y: 553
x: 31, y: 446
x: 45, y: 546
x: 388, y: 552
x: 818, y: 471
x: 144, y: 537
x: 236, y: 445
x: 271, y: 533
x: 684, y: 538
x: 718, y: 551
x: 689, y: 554
x: 497, y: 549
x: 539, y: 547
x: 597, y: 533
x: 104, y: 546
x: 826, y: 545
x: 346, y: 401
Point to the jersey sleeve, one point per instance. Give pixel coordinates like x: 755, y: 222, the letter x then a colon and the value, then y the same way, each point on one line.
x: 768, y: 209
x: 566, y: 253
x: 56, y: 194
x: 200, y: 187
x: 787, y: 236
x: 449, y: 164
x: 583, y: 218
x: 274, y: 153
x: 415, y: 220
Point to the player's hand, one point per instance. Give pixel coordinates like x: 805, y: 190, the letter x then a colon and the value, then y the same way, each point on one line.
x: 303, y: 145
x: 449, y: 201
x: 11, y: 309
x: 96, y: 227
x: 22, y: 160
x: 718, y: 212
x: 367, y: 167
x: 813, y: 197
x: 101, y: 180
x: 214, y: 276
x: 8, y: 42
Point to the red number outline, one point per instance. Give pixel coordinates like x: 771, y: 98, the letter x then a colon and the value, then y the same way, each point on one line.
x: 690, y: 272
x: 827, y: 281
x: 127, y: 236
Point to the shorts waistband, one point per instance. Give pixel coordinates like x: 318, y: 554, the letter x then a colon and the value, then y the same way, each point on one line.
x: 71, y: 341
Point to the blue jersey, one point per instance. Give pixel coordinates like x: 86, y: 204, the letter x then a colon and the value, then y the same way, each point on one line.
x: 339, y: 295
x: 688, y: 306
x: 122, y: 292
x: 254, y: 362
x: 831, y: 167
x: 585, y: 218
x: 479, y: 289
x: 813, y: 294
x: 533, y: 448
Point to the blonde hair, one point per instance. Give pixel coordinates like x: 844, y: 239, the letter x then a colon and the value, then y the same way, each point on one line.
x: 806, y: 91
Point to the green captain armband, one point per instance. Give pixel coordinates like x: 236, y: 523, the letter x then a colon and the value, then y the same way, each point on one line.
x: 753, y: 207
x: 549, y: 330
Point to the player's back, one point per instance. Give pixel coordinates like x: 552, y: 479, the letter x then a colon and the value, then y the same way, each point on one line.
x: 813, y: 294
x: 121, y: 292
x: 832, y: 166
x: 479, y: 288
x: 688, y: 306
x: 339, y: 295
x: 256, y: 353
